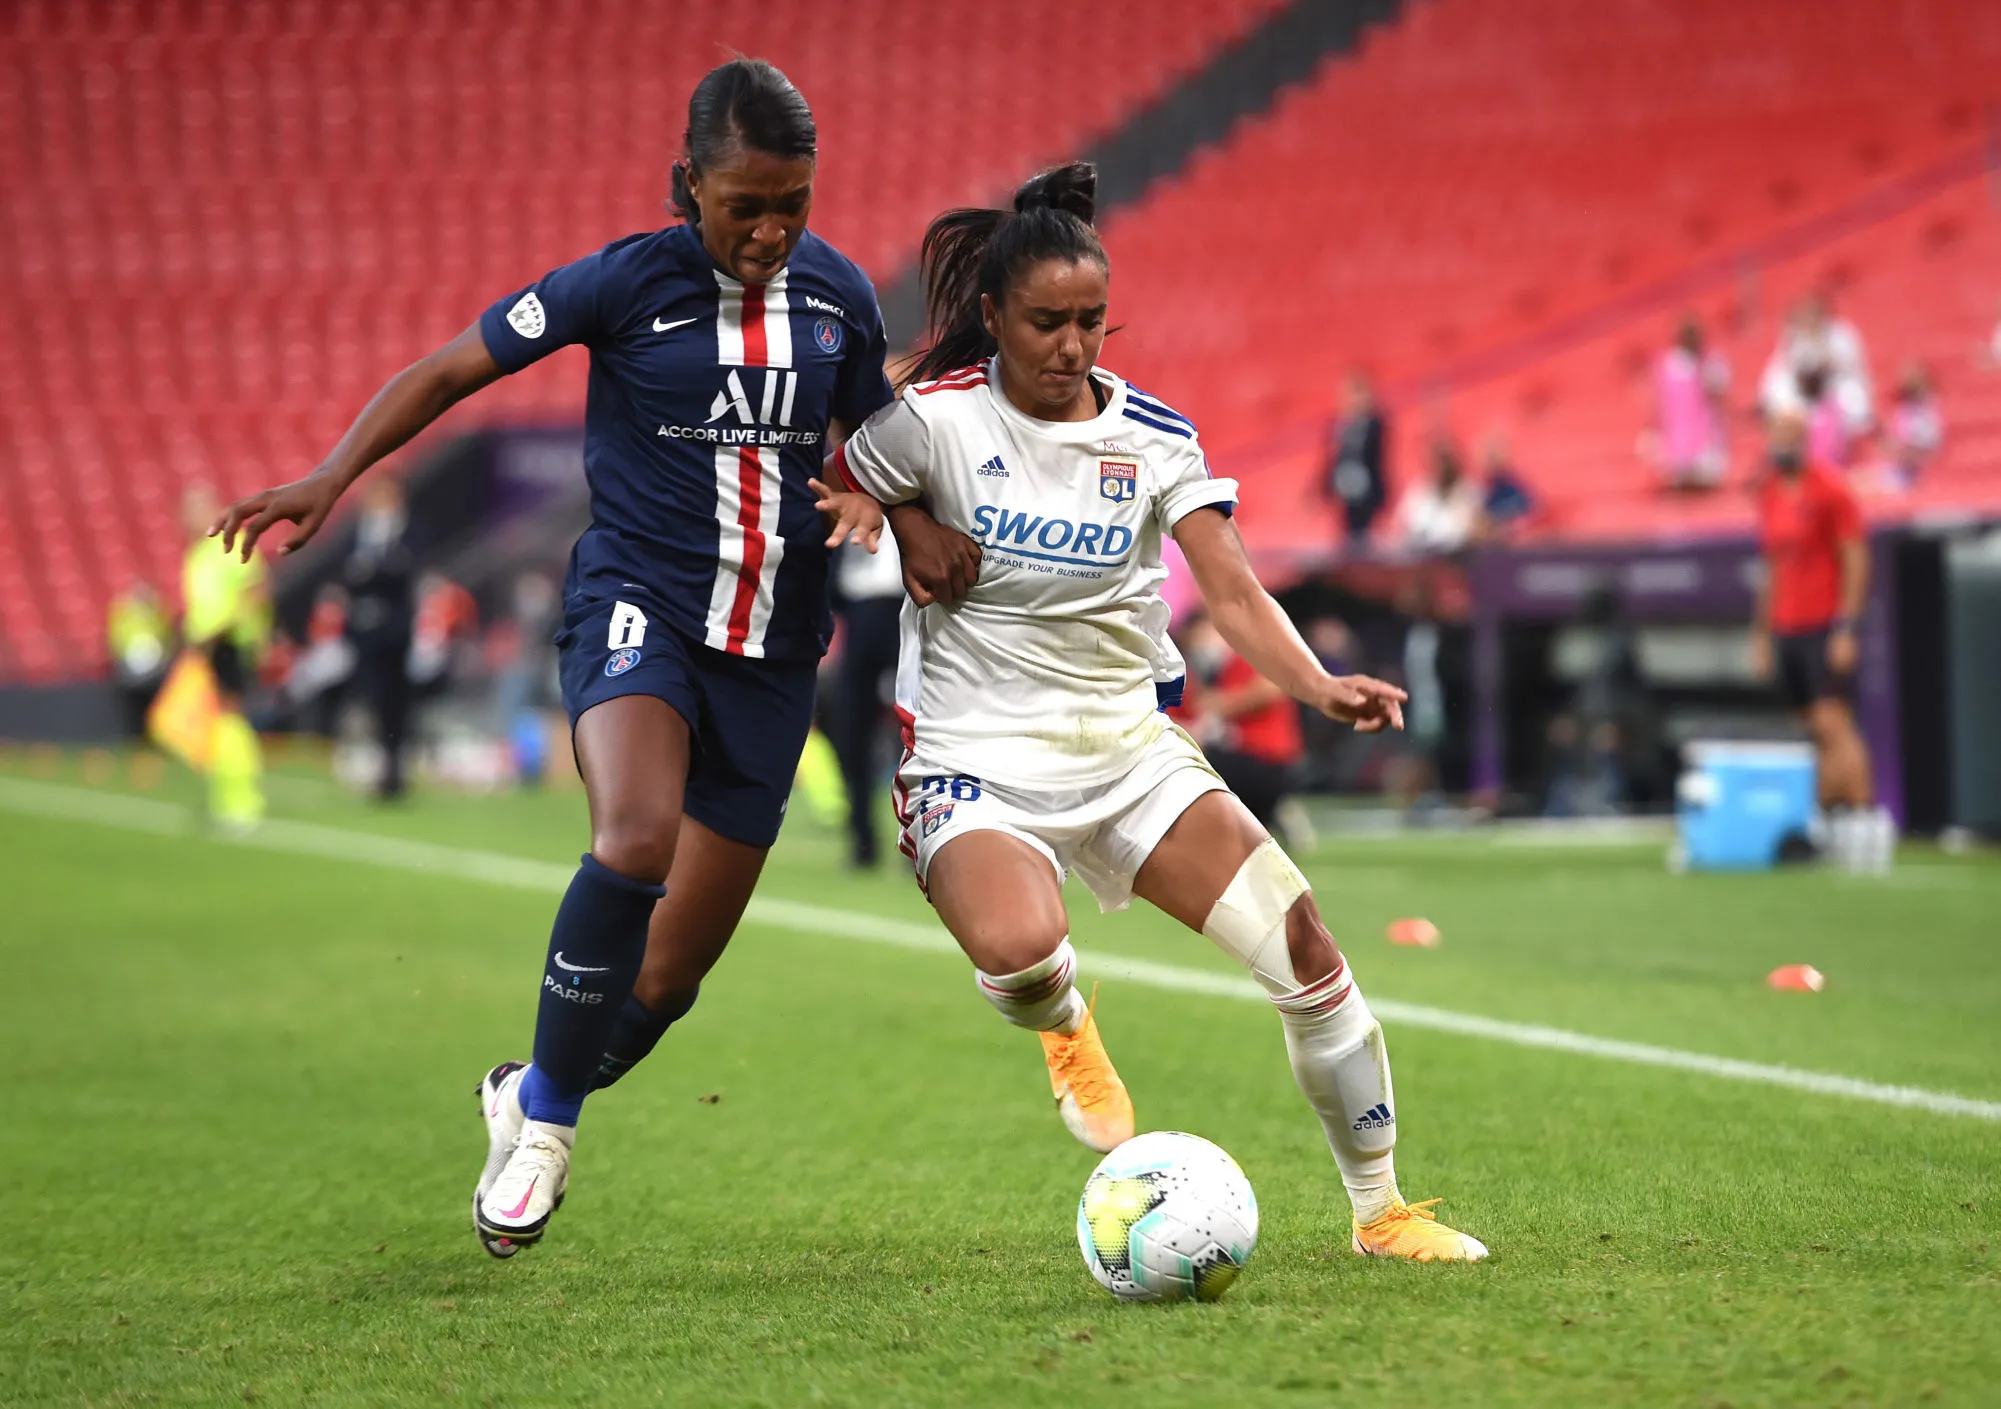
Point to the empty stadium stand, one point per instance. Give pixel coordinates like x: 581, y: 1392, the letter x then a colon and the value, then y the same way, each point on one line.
x: 228, y: 221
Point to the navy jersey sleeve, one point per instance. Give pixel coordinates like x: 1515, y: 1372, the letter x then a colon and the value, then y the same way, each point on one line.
x: 861, y: 388
x: 564, y: 306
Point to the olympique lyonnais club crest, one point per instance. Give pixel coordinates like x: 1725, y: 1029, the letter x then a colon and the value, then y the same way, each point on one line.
x: 1118, y: 480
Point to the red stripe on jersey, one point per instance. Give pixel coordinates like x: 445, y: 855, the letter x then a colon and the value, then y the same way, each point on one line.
x: 756, y: 350
x: 750, y: 505
x: 965, y: 379
x: 750, y: 485
x: 908, y: 729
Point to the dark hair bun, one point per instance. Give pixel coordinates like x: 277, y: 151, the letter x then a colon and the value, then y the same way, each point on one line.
x: 1072, y: 187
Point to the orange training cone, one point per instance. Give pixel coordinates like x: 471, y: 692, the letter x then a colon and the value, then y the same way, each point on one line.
x: 1797, y: 978
x: 1421, y: 933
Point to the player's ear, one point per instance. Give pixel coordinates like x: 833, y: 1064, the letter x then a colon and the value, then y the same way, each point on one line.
x: 990, y: 316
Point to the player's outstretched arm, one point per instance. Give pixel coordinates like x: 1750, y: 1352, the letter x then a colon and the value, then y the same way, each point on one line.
x: 1256, y: 628
x: 412, y: 399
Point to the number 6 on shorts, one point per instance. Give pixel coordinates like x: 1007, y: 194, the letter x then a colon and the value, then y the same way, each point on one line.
x: 628, y: 627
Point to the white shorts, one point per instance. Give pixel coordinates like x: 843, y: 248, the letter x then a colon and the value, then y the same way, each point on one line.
x: 1103, y: 833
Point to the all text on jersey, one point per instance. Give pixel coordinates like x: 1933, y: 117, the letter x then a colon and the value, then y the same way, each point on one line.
x: 757, y: 411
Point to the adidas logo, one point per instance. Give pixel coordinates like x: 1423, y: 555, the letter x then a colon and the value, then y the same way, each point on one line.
x: 993, y: 469
x: 1377, y: 1117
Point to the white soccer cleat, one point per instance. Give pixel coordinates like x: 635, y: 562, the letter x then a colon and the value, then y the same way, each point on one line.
x: 499, y: 1094
x: 529, y: 1188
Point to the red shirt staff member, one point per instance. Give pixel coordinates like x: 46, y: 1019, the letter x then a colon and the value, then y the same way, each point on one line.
x: 1816, y: 572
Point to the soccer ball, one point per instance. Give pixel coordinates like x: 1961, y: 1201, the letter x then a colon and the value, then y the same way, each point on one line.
x: 1167, y: 1217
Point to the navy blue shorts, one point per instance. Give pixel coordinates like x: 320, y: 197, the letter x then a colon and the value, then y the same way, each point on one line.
x: 1804, y: 674
x: 747, y: 719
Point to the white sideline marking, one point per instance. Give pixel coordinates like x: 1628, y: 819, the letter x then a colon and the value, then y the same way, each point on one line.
x: 495, y: 868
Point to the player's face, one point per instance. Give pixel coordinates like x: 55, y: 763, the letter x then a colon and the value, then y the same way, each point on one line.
x: 1050, y: 326
x: 754, y: 207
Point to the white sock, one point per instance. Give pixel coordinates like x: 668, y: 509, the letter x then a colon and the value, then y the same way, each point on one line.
x: 1042, y: 996
x: 564, y: 1134
x: 1338, y: 1059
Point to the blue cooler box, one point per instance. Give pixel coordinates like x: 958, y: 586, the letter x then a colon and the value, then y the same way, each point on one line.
x: 1738, y: 802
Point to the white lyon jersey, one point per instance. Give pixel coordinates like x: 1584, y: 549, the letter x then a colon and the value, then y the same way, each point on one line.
x: 1051, y: 672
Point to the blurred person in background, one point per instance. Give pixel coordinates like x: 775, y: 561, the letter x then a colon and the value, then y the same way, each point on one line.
x: 226, y: 616
x: 1440, y: 514
x: 520, y: 651
x: 1689, y: 440
x: 1828, y: 439
x: 1412, y: 777
x: 1810, y: 599
x: 519, y: 657
x: 380, y: 576
x: 1913, y: 432
x: 1248, y: 727
x: 1506, y: 501
x: 1354, y: 478
x: 317, y: 681
x: 141, y: 641
x: 447, y: 618
x: 1599, y: 743
x: 868, y: 590
x: 1326, y: 742
x: 1819, y: 356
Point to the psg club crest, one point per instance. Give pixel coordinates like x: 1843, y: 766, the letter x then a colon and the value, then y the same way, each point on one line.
x: 1118, y: 480
x: 621, y: 661
x: 827, y: 333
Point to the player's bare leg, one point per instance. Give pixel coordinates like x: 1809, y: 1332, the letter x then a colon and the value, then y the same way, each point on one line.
x: 633, y: 754
x: 707, y: 892
x: 1001, y: 900
x: 1844, y: 758
x: 1218, y: 872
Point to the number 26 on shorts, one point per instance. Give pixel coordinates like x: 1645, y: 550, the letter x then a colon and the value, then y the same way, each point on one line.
x: 959, y: 789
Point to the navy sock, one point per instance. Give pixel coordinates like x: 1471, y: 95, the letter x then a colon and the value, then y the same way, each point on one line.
x: 595, y: 950
x: 637, y: 1030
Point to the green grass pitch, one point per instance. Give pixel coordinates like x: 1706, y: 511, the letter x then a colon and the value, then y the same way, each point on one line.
x: 239, y: 1142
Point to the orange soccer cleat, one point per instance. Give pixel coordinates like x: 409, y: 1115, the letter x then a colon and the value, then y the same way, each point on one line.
x: 1413, y: 1231
x: 1088, y: 1091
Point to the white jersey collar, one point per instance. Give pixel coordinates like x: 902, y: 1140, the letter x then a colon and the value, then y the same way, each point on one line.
x: 1106, y: 423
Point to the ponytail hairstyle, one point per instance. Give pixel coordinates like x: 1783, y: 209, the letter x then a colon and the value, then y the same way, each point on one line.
x: 969, y: 252
x: 745, y: 103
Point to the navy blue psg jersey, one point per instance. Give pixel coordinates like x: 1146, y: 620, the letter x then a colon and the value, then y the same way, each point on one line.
x: 708, y: 410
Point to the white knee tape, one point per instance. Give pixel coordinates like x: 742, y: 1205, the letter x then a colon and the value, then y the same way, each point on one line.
x: 1249, y: 919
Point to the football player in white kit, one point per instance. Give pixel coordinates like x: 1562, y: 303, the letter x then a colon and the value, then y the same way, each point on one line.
x: 1035, y: 742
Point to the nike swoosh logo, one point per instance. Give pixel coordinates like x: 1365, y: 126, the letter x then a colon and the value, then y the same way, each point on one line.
x: 522, y: 1207
x: 578, y: 968
x: 660, y: 327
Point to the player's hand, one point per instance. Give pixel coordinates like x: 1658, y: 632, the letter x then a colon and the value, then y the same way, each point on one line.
x: 1371, y: 705
x: 305, y: 502
x: 1761, y: 655
x: 856, y: 517
x: 940, y: 564
x: 1842, y: 652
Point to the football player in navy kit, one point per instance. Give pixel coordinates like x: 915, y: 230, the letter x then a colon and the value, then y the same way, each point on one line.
x: 728, y: 353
